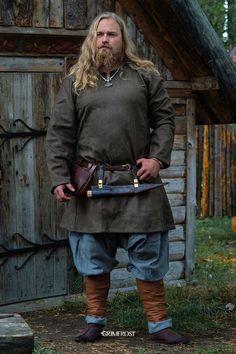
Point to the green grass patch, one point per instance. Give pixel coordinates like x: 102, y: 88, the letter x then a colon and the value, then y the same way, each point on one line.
x: 40, y: 349
x: 201, y: 308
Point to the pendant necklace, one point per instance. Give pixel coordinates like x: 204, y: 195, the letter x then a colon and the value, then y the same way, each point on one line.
x: 108, y: 81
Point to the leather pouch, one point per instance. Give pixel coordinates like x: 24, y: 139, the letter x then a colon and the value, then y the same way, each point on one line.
x: 82, y: 177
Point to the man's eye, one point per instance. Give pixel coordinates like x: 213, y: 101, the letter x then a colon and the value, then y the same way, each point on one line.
x: 99, y: 34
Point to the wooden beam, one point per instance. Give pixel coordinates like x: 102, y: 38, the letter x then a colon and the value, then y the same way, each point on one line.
x: 28, y: 45
x: 191, y: 189
x: 31, y: 65
x: 13, y: 30
x: 204, y: 83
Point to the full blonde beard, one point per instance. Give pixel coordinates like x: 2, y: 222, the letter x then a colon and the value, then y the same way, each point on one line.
x: 105, y: 58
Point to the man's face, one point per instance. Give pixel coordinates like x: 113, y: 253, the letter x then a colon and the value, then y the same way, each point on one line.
x: 109, y: 41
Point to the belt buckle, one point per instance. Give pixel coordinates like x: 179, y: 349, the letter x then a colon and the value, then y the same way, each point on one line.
x: 126, y: 166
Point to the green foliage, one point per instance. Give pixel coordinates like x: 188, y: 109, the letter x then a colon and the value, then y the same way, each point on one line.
x: 221, y: 19
x: 215, y: 11
x: 232, y: 23
x: 39, y: 349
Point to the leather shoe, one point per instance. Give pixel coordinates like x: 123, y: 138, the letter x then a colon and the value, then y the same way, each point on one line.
x: 167, y: 336
x: 91, y: 333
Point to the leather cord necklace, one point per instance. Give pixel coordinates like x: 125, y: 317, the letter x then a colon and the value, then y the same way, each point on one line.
x: 108, y: 80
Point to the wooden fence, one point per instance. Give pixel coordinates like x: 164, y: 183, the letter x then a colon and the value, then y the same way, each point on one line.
x: 216, y: 170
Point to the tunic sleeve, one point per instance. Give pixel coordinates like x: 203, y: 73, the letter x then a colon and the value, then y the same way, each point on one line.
x: 162, y: 120
x: 61, y: 135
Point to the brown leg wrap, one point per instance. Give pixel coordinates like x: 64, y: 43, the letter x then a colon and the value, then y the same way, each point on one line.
x: 152, y: 295
x: 97, y: 288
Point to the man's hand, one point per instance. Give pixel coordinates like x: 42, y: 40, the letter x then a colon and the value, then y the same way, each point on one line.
x: 148, y: 169
x: 59, y: 193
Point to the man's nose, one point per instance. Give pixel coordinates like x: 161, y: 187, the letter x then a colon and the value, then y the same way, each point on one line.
x: 105, y: 38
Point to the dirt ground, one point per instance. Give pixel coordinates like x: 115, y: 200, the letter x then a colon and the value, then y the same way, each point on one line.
x: 58, y: 328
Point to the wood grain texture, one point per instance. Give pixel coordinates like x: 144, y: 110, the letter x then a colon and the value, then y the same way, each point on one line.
x: 6, y: 13
x: 16, y: 337
x: 31, y: 65
x: 41, y: 13
x: 75, y: 14
x: 23, y: 12
x: 191, y: 189
x: 56, y: 15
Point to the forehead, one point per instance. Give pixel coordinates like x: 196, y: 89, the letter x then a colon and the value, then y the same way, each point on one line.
x: 108, y: 25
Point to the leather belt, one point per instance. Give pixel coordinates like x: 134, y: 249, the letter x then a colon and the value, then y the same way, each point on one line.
x: 126, y: 167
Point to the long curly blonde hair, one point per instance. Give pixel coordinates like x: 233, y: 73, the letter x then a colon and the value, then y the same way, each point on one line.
x: 85, y: 70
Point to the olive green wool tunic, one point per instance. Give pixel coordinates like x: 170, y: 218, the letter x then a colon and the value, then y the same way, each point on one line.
x: 112, y: 125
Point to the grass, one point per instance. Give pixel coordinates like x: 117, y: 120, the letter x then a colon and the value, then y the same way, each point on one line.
x: 40, y: 349
x: 199, y: 310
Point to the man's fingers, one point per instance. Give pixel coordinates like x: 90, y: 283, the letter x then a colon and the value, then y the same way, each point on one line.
x: 60, y: 193
x: 69, y: 185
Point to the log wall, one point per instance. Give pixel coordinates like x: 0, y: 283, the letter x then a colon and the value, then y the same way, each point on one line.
x: 216, y: 170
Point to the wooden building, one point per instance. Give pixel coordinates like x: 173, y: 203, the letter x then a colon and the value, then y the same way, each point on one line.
x: 39, y: 41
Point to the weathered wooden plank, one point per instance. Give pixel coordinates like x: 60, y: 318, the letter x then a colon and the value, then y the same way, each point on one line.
x: 16, y: 337
x: 132, y: 30
x: 43, y: 31
x: 177, y: 199
x: 218, y: 174
x: 178, y: 100
x: 56, y: 14
x: 178, y: 158
x: 177, y: 84
x: 180, y: 125
x: 25, y: 186
x: 177, y: 185
x: 7, y: 201
x: 180, y: 110
x: 41, y: 46
x: 23, y: 12
x: 178, y: 234
x: 212, y: 142
x: 105, y: 5
x: 180, y: 93
x: 121, y: 278
x: 179, y: 214
x: 122, y: 258
x: 6, y: 13
x: 204, y: 83
x: 52, y: 278
x: 31, y: 65
x: 176, y: 250
x: 176, y: 271
x: 75, y: 12
x: 179, y: 142
x: 228, y: 176
x: 191, y: 189
x: 173, y: 172
x: 91, y: 10
x: 223, y: 164
x: 41, y: 13
x: 205, y: 172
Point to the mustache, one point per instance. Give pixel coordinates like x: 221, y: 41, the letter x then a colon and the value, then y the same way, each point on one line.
x: 104, y: 46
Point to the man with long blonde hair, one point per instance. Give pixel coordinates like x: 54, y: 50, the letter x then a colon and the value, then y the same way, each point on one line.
x: 113, y: 111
